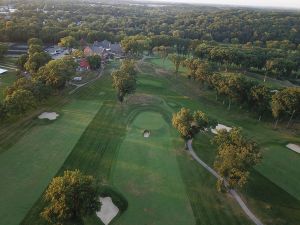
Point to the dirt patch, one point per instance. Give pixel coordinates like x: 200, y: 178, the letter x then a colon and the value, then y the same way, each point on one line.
x: 108, y: 210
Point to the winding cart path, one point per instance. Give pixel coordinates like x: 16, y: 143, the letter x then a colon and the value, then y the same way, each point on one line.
x: 233, y: 193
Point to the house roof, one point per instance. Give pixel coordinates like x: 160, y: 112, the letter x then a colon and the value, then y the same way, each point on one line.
x: 116, y: 48
x: 84, y: 63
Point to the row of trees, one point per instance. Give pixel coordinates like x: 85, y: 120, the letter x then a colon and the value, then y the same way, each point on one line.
x: 236, y: 154
x: 283, y: 104
x: 43, y: 79
x: 124, y: 79
x: 276, y: 63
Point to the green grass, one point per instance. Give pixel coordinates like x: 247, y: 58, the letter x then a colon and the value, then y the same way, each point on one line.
x: 147, y: 173
x: 105, y: 145
x: 280, y: 165
x: 279, y: 169
x: 161, y: 182
x: 27, y: 167
x: 274, y: 206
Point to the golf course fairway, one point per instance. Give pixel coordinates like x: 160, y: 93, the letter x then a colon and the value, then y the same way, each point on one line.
x: 147, y: 174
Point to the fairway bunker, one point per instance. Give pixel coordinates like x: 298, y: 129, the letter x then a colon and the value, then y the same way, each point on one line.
x: 146, y: 133
x: 220, y: 127
x: 48, y: 115
x: 108, y: 210
x: 294, y: 147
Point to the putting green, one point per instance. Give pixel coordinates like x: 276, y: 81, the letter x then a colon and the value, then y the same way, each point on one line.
x: 148, y: 175
x: 28, y: 166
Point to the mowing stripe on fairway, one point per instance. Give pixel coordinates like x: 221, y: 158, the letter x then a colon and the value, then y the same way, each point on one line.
x: 28, y: 166
x: 148, y: 175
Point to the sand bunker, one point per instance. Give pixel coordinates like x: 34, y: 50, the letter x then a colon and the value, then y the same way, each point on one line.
x: 146, y: 133
x: 108, y: 210
x: 294, y: 147
x: 48, y: 115
x: 220, y: 127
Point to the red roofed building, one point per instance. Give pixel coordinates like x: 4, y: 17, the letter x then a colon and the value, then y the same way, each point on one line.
x: 84, y: 64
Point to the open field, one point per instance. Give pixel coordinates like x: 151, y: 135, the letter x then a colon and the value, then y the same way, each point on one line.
x: 102, y: 147
x: 157, y: 170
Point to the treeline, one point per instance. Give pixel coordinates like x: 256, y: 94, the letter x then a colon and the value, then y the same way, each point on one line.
x: 283, y: 104
x: 42, y: 78
x: 276, y: 63
x: 52, y: 20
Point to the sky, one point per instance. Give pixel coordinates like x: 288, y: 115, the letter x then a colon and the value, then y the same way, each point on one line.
x: 257, y: 3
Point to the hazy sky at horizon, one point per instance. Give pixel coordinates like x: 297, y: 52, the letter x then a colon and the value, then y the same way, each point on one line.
x: 258, y: 3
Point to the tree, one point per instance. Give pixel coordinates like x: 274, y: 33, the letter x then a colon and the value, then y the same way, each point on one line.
x: 260, y: 99
x: 163, y: 52
x: 35, y: 41
x: 190, y: 123
x: 236, y: 156
x: 36, y: 60
x: 192, y: 64
x: 3, y: 50
x: 286, y: 102
x: 56, y: 73
x: 124, y: 83
x: 182, y: 121
x: 71, y: 197
x: 35, y: 49
x: 176, y: 60
x: 128, y: 66
x: 68, y: 42
x: 77, y: 53
x: 204, y: 72
x: 19, y: 101
x: 21, y: 61
x: 94, y: 61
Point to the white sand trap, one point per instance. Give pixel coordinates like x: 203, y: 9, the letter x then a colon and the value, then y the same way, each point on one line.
x: 108, y: 210
x: 146, y: 133
x: 48, y: 115
x: 294, y: 147
x: 220, y: 127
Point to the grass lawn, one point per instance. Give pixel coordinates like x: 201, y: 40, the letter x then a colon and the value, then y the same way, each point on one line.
x: 271, y: 203
x: 27, y: 167
x: 148, y: 175
x: 280, y: 167
x: 161, y: 182
x: 102, y: 151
